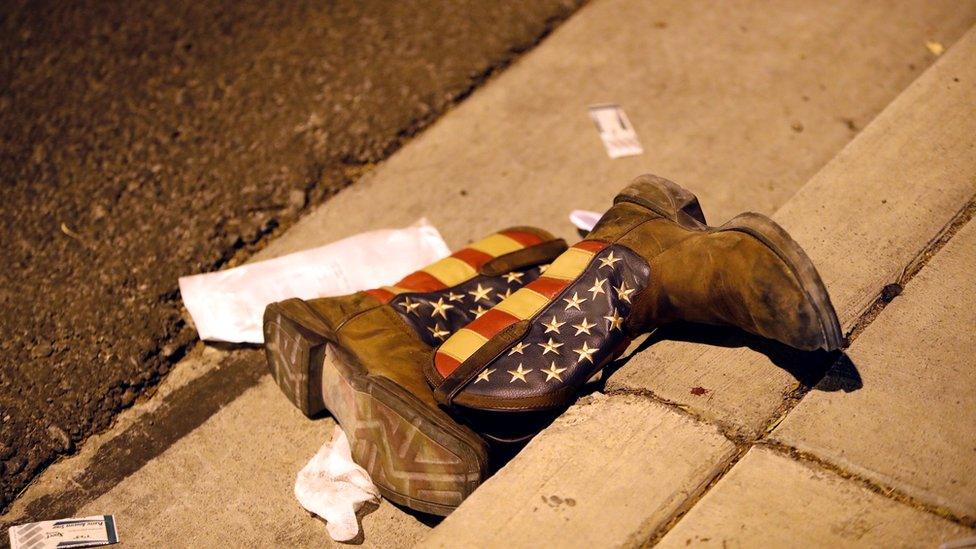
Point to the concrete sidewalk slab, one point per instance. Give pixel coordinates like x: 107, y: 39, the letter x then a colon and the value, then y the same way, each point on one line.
x: 230, y: 483
x: 862, y: 219
x: 912, y: 425
x: 714, y: 91
x: 769, y: 500
x: 605, y: 474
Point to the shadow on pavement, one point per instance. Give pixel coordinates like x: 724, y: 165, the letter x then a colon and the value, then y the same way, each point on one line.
x: 179, y: 413
x: 816, y: 370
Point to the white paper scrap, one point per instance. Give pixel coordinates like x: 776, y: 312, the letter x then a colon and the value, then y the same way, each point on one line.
x: 616, y: 131
x: 229, y: 305
x: 959, y: 543
x: 74, y: 532
x: 584, y: 219
x: 334, y: 487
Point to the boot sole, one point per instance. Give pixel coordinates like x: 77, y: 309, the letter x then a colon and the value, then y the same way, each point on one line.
x: 779, y: 241
x: 414, y: 457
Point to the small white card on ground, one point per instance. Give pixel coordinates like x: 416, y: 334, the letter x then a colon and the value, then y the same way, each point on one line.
x: 616, y: 131
x: 73, y: 532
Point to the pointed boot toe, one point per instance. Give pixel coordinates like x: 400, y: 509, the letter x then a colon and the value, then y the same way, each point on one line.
x: 748, y: 274
x: 790, y: 289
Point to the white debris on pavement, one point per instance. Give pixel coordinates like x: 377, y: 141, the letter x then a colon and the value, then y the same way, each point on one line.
x: 229, y: 305
x: 584, y: 220
x: 616, y: 131
x: 92, y: 531
x: 333, y: 487
x: 959, y: 543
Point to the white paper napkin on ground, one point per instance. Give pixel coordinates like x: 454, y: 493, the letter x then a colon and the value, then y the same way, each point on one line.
x: 228, y: 305
x: 333, y: 487
x: 584, y: 220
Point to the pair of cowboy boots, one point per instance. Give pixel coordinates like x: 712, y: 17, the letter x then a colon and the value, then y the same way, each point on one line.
x: 419, y: 373
x: 361, y: 357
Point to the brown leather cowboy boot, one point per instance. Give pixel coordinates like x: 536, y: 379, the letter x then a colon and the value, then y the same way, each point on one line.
x: 650, y: 260
x: 361, y: 357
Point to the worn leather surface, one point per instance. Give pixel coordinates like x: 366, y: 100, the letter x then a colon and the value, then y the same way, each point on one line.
x: 384, y: 346
x: 729, y: 278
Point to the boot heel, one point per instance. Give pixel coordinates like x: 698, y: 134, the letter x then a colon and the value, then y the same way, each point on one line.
x: 413, y: 452
x: 295, y: 340
x: 666, y: 198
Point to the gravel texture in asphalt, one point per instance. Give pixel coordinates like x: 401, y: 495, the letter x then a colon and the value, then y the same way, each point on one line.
x: 141, y: 141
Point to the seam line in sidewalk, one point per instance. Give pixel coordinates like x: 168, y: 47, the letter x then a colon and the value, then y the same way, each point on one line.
x: 793, y: 397
x: 879, y: 488
x: 934, y: 246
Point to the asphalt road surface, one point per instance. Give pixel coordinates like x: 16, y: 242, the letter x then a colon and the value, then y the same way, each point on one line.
x: 141, y: 141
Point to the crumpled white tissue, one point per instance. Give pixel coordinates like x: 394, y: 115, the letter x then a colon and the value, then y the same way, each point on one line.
x: 584, y: 219
x: 229, y: 305
x: 334, y: 487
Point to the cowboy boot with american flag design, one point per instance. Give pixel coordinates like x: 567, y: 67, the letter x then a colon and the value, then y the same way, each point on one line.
x: 650, y: 260
x: 361, y: 357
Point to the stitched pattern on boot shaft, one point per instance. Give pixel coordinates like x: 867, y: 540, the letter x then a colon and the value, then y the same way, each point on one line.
x: 437, y: 315
x: 578, y: 329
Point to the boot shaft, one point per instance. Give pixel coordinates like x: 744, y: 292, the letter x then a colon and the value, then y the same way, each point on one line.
x: 392, y: 330
x: 439, y: 299
x: 537, y: 346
